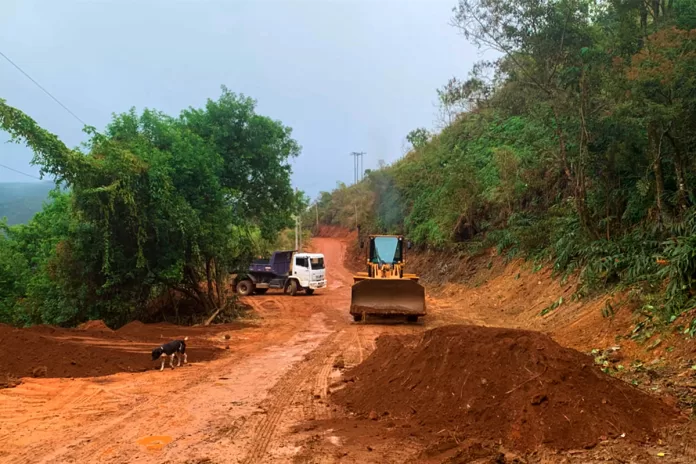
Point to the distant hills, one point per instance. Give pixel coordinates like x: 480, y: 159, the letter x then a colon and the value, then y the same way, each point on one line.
x: 20, y: 201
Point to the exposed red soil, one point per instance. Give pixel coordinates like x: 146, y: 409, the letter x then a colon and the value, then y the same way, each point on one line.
x: 94, y: 350
x: 94, y: 326
x: 495, y: 292
x: 267, y: 398
x: 517, y: 386
x: 335, y: 232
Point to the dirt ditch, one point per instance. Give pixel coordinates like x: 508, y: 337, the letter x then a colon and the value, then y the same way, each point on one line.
x: 516, y: 387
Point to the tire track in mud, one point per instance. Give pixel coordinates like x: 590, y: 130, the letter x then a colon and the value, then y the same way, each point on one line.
x: 283, y: 395
x: 306, y: 387
x: 349, y: 348
x: 320, y: 409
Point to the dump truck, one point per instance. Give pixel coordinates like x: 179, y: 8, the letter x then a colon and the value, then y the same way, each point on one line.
x: 290, y: 271
x: 385, y: 289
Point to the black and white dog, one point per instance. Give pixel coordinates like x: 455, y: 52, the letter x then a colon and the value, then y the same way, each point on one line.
x: 174, y: 348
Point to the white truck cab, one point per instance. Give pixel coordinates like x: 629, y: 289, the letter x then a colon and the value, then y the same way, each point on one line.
x: 309, y: 270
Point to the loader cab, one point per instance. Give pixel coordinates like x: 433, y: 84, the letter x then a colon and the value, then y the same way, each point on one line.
x: 386, y: 250
x: 408, y: 242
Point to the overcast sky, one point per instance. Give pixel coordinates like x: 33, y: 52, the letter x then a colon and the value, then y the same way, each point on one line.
x: 345, y: 75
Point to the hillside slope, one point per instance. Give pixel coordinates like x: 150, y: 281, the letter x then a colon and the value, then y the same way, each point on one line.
x: 20, y: 201
x: 577, y: 154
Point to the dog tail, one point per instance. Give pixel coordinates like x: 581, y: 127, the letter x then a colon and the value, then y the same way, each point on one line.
x: 185, y: 338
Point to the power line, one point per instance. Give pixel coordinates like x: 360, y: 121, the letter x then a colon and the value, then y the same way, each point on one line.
x: 19, y: 172
x: 41, y: 87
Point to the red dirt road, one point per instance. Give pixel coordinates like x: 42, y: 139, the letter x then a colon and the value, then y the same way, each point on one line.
x: 237, y: 408
x: 261, y: 401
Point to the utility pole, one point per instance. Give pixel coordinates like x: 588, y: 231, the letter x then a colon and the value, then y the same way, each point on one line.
x: 297, y: 228
x: 316, y: 210
x: 355, y: 155
x: 357, y: 165
x: 297, y: 238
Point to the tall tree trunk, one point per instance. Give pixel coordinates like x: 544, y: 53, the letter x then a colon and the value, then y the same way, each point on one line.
x: 609, y: 187
x: 680, y: 172
x: 655, y: 151
x: 220, y: 290
x: 581, y: 185
x: 562, y: 147
x: 644, y: 17
x: 209, y: 279
x: 581, y: 191
x: 194, y: 283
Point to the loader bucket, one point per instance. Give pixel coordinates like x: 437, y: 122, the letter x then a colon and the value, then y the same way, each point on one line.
x: 386, y: 297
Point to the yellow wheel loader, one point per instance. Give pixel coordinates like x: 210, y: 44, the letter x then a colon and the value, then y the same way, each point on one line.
x: 385, y: 289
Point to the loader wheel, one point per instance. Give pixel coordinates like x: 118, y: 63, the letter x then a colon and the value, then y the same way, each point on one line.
x: 309, y: 291
x: 261, y: 291
x: 245, y: 287
x: 357, y: 317
x: 292, y: 287
x: 411, y: 318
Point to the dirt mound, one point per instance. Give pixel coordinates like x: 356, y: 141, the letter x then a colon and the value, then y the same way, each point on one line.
x: 94, y: 326
x: 516, y: 386
x: 45, y: 351
x: 132, y: 327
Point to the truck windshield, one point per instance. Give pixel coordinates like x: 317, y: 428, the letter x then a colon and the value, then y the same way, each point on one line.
x: 386, y: 250
x: 317, y: 263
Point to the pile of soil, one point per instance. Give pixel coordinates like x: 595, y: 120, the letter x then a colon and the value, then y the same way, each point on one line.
x: 518, y: 387
x: 95, y: 350
x: 134, y: 328
x: 94, y: 326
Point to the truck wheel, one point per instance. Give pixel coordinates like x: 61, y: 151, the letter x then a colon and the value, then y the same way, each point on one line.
x: 245, y: 287
x: 412, y: 318
x: 261, y: 291
x: 292, y: 287
x: 357, y: 317
x: 309, y: 291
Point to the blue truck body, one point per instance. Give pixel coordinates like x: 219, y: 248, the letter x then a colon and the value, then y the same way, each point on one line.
x: 279, y: 264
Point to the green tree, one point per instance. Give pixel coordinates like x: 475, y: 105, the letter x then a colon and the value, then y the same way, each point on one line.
x: 418, y: 137
x: 160, y: 202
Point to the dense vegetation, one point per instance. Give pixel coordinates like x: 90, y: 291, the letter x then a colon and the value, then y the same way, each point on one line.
x: 577, y: 145
x: 157, y: 206
x: 20, y: 201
